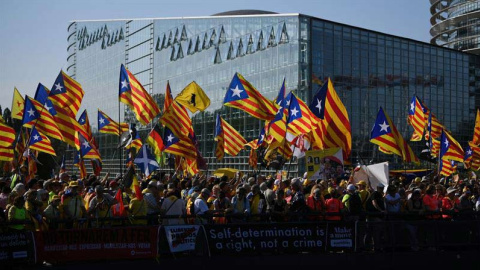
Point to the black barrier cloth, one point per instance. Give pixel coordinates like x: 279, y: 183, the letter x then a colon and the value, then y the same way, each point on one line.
x: 266, y: 238
x: 17, y: 247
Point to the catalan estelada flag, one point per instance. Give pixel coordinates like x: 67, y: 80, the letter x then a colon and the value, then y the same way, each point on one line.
x: 242, y: 95
x: 277, y: 128
x: 475, y: 160
x: 87, y: 129
x: 450, y: 149
x: 80, y: 164
x: 416, y: 118
x: 155, y: 140
x: 300, y: 119
x: 476, y: 130
x: 40, y: 142
x: 36, y: 114
x: 193, y: 98
x: 168, y: 98
x: 390, y: 141
x: 84, y: 148
x: 334, y: 129
x: 467, y: 160
x: 67, y: 93
x: 178, y: 147
x: 107, y: 125
x: 233, y: 142
x: 134, y: 95
x: 67, y: 124
x: 447, y: 167
x: 6, y: 154
x: 17, y: 105
x: 7, y: 135
x: 434, y: 127
x: 176, y: 118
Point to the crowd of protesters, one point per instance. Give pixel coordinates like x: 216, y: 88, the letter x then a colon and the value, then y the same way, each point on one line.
x: 65, y: 202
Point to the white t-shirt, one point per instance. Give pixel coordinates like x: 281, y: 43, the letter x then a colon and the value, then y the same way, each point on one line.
x: 200, y: 206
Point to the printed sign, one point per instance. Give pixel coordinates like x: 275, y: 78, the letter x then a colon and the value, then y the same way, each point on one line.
x: 17, y: 247
x: 341, y: 236
x: 182, y: 238
x: 95, y: 244
x: 324, y: 164
x: 244, y: 238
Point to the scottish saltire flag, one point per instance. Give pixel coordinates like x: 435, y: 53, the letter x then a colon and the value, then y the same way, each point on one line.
x: 233, y: 142
x: 178, y: 147
x: 390, y: 141
x: 146, y: 161
x: 450, y: 149
x: 416, y: 118
x: 242, y: 95
x: 134, y: 95
x: 476, y: 130
x: 40, y: 142
x: 107, y: 125
x: 334, y: 129
x: 36, y: 114
x: 67, y: 93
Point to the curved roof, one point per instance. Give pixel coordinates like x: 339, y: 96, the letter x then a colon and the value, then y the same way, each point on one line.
x: 244, y: 12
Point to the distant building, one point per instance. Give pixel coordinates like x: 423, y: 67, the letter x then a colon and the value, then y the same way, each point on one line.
x: 368, y: 69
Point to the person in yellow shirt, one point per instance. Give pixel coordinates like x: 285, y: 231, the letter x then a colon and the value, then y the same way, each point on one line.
x: 363, y: 192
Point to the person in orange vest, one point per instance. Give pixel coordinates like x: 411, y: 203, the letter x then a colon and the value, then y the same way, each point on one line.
x: 333, y: 206
x: 449, y: 204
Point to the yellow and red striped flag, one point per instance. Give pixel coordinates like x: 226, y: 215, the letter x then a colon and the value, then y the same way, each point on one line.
x: 178, y: 146
x: 155, y: 140
x: 86, y: 128
x: 40, y: 142
x: 242, y: 95
x: 80, y: 164
x: 450, y: 149
x: 233, y: 142
x: 390, y: 141
x: 107, y: 125
x: 17, y: 105
x: 134, y: 95
x: 36, y: 114
x: 434, y: 127
x: 176, y: 118
x: 300, y: 119
x: 476, y: 130
x: 168, y: 98
x: 447, y: 167
x: 416, y: 118
x: 333, y: 130
x: 67, y: 93
x: 86, y: 150
x: 6, y: 154
x: 277, y: 128
x: 7, y: 135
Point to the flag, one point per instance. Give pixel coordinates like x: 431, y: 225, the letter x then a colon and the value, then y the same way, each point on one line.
x: 67, y: 124
x: 135, y: 187
x: 476, y: 130
x: 155, y: 140
x: 36, y: 114
x: 450, y: 149
x: 242, y: 95
x: 261, y: 136
x: 233, y: 142
x: 67, y: 93
x: 134, y: 95
x: 434, y: 127
x: 96, y: 166
x: 40, y: 142
x: 63, y: 167
x: 84, y: 123
x: 475, y: 162
x: 7, y: 135
x: 176, y: 146
x: 467, y: 160
x: 176, y: 118
x: 277, y: 128
x: 20, y: 145
x: 119, y: 209
x: 416, y: 118
x: 6, y: 154
x: 168, y: 98
x: 193, y: 98
x: 135, y: 144
x: 219, y: 139
x: 334, y: 128
x: 252, y: 159
x: 80, y: 164
x: 390, y: 141
x: 84, y: 147
x: 146, y: 161
x: 107, y: 125
x: 300, y: 119
x: 447, y: 167
x: 18, y: 104
x: 32, y: 164
x: 434, y: 147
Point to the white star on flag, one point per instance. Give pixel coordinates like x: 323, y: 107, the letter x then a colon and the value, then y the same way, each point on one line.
x: 58, y: 87
x: 236, y: 91
x: 446, y: 143
x: 82, y: 120
x: 102, y: 121
x: 279, y: 110
x: 124, y: 84
x: 85, y: 144
x: 170, y: 138
x: 469, y: 152
x: 294, y: 111
x: 31, y: 112
x: 46, y: 107
x: 412, y: 106
x: 36, y: 137
x: 319, y: 105
x: 384, y: 127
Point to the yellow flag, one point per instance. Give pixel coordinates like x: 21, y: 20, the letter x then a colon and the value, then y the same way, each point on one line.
x: 193, y: 98
x: 17, y: 105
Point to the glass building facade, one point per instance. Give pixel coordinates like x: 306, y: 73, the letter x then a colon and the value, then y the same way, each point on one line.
x: 368, y: 69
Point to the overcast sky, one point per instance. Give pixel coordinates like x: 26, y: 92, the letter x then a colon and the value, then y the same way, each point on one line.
x: 33, y: 33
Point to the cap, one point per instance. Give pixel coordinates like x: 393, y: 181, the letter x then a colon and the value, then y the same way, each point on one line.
x: 361, y: 182
x: 451, y: 190
x: 73, y: 184
x: 351, y: 187
x: 417, y: 180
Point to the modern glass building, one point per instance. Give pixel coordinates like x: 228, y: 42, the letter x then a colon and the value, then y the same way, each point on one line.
x: 368, y: 69
x: 456, y: 24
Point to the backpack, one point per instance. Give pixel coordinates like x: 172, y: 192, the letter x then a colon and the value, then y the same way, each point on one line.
x: 355, y: 205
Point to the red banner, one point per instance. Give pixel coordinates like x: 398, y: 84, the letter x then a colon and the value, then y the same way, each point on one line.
x: 97, y: 244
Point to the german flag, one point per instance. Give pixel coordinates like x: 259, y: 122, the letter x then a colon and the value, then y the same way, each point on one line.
x: 67, y: 93
x: 134, y: 95
x: 155, y: 140
x: 243, y: 95
x: 40, y: 142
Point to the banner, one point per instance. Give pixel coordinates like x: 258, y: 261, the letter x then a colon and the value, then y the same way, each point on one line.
x: 182, y: 237
x: 324, y: 164
x: 374, y: 174
x: 253, y: 238
x: 97, y: 244
x: 16, y: 247
x: 341, y: 236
